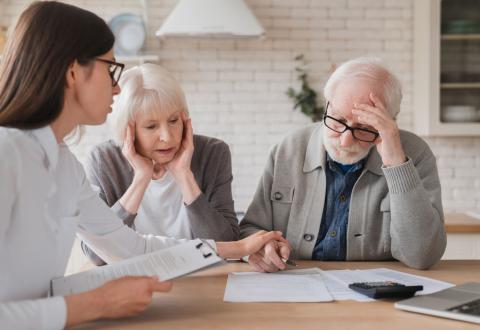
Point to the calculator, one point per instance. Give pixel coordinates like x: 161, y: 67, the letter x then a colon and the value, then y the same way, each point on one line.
x: 387, y: 289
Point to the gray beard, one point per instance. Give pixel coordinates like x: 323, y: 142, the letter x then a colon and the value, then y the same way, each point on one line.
x: 340, y: 156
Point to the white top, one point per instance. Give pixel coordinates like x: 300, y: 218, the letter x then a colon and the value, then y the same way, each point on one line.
x: 162, y: 211
x: 44, y: 199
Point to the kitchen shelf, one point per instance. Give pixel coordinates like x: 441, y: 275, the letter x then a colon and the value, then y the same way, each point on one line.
x: 468, y: 85
x: 431, y: 95
x: 470, y: 36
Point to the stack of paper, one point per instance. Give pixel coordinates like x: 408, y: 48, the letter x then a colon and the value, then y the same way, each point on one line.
x: 315, y: 285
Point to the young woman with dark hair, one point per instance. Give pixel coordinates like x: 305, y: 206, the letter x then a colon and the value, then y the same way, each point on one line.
x: 58, y: 71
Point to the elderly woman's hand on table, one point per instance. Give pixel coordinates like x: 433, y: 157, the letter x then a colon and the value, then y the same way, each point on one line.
x: 269, y: 258
x: 253, y: 244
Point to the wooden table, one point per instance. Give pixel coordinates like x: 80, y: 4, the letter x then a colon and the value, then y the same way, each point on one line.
x: 196, y: 302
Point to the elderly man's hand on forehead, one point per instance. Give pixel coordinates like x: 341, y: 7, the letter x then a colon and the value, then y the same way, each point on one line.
x: 388, y: 144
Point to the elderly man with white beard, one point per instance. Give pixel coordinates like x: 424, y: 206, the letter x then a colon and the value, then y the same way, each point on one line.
x: 353, y: 187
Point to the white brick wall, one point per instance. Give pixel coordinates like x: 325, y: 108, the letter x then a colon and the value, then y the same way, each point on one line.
x: 3, y: 15
x: 236, y: 88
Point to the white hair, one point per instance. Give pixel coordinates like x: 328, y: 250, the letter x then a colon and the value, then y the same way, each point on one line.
x: 368, y: 68
x: 145, y: 88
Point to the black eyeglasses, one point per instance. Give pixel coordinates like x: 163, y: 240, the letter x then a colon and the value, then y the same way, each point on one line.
x: 115, y: 70
x: 336, y: 125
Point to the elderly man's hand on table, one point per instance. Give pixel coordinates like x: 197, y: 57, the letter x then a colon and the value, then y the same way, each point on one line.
x: 269, y: 259
x: 388, y: 144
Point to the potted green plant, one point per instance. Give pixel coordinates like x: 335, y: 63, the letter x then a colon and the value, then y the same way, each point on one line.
x: 306, y: 98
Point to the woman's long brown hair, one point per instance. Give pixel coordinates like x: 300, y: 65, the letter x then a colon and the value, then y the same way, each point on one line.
x: 48, y: 38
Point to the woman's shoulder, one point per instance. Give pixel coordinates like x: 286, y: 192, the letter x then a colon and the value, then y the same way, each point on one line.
x: 107, y: 157
x: 106, y: 151
x: 209, y: 145
x: 12, y: 140
x: 10, y: 136
x: 210, y: 155
x: 208, y: 148
x: 18, y: 144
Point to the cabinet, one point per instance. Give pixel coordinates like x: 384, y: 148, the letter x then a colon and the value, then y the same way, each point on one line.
x: 447, y: 67
x: 463, y: 237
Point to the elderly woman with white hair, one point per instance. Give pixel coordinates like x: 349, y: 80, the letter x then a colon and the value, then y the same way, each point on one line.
x: 157, y: 175
x: 354, y: 187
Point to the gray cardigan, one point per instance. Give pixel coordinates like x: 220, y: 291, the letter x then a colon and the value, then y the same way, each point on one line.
x: 211, y: 215
x: 395, y: 212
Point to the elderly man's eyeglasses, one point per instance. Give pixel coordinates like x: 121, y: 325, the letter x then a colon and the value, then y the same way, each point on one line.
x: 338, y: 126
x: 115, y: 70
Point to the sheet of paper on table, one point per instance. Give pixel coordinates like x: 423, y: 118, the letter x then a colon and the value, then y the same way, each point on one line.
x: 384, y: 274
x: 276, y: 287
x: 337, y: 288
x: 297, y: 285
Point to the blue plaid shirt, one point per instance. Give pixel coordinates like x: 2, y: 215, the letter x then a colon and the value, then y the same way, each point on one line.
x: 332, y: 238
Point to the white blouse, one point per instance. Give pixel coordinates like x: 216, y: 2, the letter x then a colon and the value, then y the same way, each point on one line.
x: 44, y: 200
x: 162, y: 211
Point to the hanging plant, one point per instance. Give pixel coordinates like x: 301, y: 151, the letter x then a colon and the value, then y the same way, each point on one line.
x: 306, y: 98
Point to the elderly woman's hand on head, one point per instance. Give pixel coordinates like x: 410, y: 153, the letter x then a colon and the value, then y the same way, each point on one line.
x: 144, y: 171
x: 180, y: 165
x: 388, y: 144
x: 143, y: 167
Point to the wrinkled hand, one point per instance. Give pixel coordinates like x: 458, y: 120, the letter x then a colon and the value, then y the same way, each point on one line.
x: 265, y: 241
x: 249, y: 245
x: 143, y: 167
x: 388, y: 144
x: 128, y: 296
x: 269, y: 258
x: 179, y: 166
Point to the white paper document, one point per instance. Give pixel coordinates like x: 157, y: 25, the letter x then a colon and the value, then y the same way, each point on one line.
x: 315, y: 285
x: 338, y: 290
x: 285, y: 286
x: 166, y: 264
x: 343, y: 278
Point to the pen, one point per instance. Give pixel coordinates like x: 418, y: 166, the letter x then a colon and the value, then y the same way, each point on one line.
x: 289, y: 262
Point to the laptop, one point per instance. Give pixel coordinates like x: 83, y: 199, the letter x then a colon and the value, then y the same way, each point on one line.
x: 461, y: 302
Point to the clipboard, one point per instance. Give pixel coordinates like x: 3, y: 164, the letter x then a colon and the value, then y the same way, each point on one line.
x: 167, y: 264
